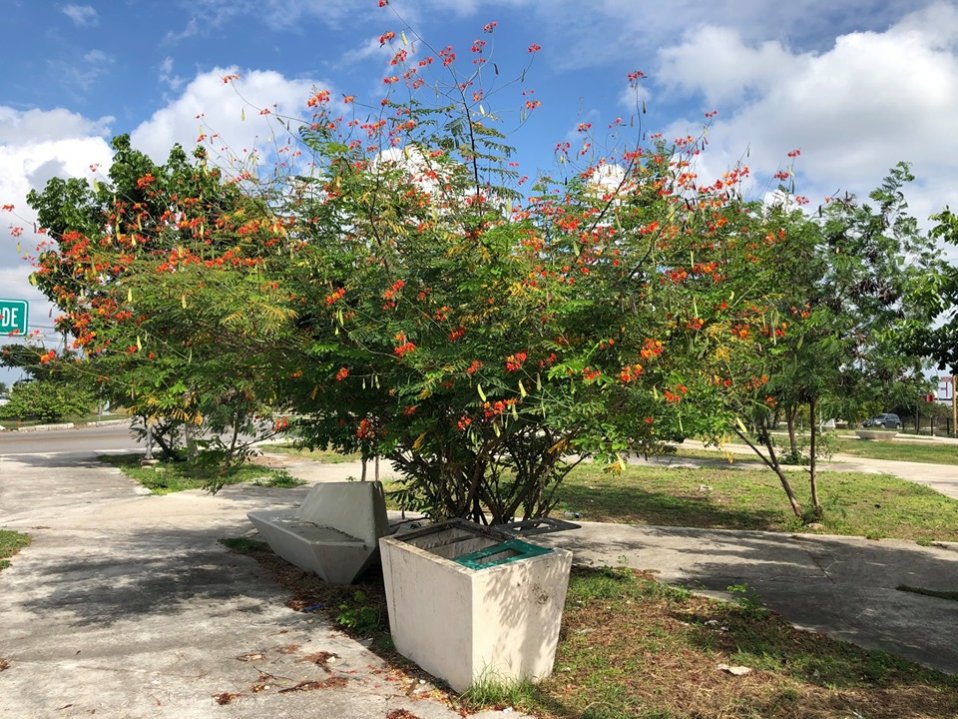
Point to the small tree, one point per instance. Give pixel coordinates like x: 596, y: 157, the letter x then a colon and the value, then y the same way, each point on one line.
x: 163, y: 277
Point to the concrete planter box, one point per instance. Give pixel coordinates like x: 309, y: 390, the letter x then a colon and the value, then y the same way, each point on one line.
x: 498, y: 621
x: 879, y: 434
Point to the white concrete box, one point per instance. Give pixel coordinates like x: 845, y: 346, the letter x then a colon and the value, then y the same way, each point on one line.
x: 463, y: 624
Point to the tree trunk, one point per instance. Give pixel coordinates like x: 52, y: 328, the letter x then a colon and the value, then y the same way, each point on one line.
x: 771, y: 461
x: 790, y: 413
x: 812, y: 478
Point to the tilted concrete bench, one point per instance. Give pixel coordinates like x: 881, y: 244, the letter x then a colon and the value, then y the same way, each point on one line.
x: 334, y: 532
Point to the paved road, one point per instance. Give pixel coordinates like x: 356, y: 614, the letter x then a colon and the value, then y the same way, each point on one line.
x: 112, y: 437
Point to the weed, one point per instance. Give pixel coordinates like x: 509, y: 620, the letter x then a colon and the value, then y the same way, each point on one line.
x: 490, y: 690
x: 747, y: 600
x: 279, y: 478
x: 359, y: 615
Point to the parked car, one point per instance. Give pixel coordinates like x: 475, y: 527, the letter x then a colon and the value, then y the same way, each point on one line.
x: 886, y: 420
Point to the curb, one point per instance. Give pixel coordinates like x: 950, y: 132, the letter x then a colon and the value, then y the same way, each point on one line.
x: 65, y: 425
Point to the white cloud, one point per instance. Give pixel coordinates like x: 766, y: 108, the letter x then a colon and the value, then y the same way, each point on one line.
x: 31, y: 126
x: 82, y: 15
x: 78, y: 76
x: 34, y: 146
x: 209, y: 105
x: 716, y: 62
x: 855, y: 109
x: 97, y: 57
x: 168, y: 77
x: 227, y: 114
x: 372, y: 48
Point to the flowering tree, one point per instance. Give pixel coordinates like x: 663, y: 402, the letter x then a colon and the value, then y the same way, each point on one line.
x: 484, y: 340
x: 162, y: 276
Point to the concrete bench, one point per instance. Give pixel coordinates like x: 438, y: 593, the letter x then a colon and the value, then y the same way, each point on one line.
x: 334, y: 532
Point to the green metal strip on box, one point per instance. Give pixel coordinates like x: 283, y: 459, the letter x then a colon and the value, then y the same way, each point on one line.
x: 510, y: 551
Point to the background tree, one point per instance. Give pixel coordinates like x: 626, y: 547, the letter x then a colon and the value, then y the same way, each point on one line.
x: 163, y: 278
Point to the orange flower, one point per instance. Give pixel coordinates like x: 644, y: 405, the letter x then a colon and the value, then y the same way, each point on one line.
x: 514, y: 362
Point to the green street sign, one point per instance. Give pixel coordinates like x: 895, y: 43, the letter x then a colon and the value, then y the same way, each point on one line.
x: 13, y: 317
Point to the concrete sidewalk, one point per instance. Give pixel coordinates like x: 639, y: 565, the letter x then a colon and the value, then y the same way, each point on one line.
x: 126, y: 605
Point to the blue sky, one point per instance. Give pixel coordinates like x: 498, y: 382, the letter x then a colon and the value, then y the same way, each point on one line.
x: 857, y: 85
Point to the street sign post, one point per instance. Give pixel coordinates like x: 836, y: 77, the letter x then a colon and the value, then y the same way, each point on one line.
x: 13, y: 317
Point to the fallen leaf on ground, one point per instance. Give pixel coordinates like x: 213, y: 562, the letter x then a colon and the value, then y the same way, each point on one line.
x: 4, y: 664
x: 321, y: 659
x: 288, y: 649
x: 331, y: 683
x: 401, y: 714
x: 225, y: 697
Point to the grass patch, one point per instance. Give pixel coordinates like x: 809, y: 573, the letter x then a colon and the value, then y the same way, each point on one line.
x: 327, y: 456
x: 952, y: 596
x: 928, y: 452
x: 631, y: 647
x: 279, y: 478
x: 168, y: 477
x: 76, y: 419
x: 10, y: 543
x: 722, y: 497
x: 493, y: 692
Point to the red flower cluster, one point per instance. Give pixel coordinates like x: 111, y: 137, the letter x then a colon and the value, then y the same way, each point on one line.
x: 676, y: 396
x: 491, y: 410
x: 404, y: 347
x: 630, y: 373
x: 337, y: 295
x: 651, y: 348
x: 319, y: 98
x: 590, y: 374
x: 514, y: 362
x: 365, y: 429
